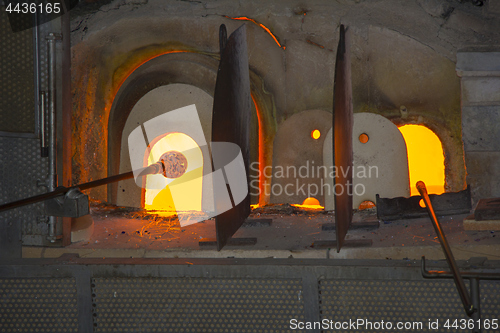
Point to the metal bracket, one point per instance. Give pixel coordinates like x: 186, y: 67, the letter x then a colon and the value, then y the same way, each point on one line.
x: 72, y: 204
x: 449, y: 275
x: 54, y: 36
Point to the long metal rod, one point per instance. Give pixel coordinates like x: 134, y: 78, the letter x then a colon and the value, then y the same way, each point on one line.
x: 155, y: 168
x: 37, y: 74
x: 51, y: 42
x: 105, y: 181
x: 459, y: 282
x: 43, y: 144
x: 52, y: 179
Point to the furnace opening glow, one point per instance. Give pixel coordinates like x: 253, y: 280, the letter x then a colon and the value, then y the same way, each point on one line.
x: 170, y: 195
x: 425, y: 158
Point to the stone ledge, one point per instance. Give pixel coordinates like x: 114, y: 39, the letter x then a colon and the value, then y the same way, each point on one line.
x: 483, y: 174
x: 460, y: 252
x: 481, y: 90
x: 463, y: 74
x: 478, y: 64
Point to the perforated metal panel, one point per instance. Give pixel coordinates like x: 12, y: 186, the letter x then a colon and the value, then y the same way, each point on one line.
x: 21, y: 169
x: 38, y: 305
x: 17, y: 105
x: 196, y: 305
x: 390, y: 300
x: 22, y: 165
x: 490, y: 299
x: 227, y: 295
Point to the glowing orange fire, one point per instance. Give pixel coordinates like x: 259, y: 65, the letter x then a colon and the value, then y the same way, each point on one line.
x: 242, y: 18
x: 310, y: 203
x: 425, y: 158
x: 366, y: 205
x: 180, y: 194
x: 315, y: 134
x: 261, y: 152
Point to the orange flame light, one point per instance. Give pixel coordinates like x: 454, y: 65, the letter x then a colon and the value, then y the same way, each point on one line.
x: 262, y: 157
x: 315, y: 134
x: 425, y: 158
x: 310, y: 203
x: 242, y: 18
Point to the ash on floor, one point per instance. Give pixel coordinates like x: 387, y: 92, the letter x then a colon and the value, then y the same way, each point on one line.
x: 294, y: 229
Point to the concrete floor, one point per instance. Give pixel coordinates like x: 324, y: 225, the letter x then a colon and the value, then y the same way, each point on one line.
x: 122, y: 233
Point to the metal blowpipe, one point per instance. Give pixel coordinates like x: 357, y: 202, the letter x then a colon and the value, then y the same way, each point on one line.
x: 160, y: 167
x: 459, y: 282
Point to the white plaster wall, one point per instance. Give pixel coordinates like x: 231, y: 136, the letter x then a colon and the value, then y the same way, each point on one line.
x: 380, y: 166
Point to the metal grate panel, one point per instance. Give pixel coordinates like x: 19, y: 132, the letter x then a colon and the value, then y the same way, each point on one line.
x: 390, y: 300
x: 196, y: 304
x: 17, y: 105
x: 20, y: 171
x: 23, y: 166
x: 38, y: 305
x: 490, y: 299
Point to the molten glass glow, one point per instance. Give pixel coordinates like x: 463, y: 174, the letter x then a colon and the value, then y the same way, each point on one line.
x: 421, y: 203
x: 366, y: 204
x: 179, y: 194
x: 425, y: 158
x: 315, y: 135
x: 310, y: 203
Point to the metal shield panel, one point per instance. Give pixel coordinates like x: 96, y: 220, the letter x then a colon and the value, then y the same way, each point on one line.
x: 342, y: 138
x: 231, y: 123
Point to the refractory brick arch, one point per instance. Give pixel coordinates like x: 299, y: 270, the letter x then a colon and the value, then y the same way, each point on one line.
x: 403, y: 58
